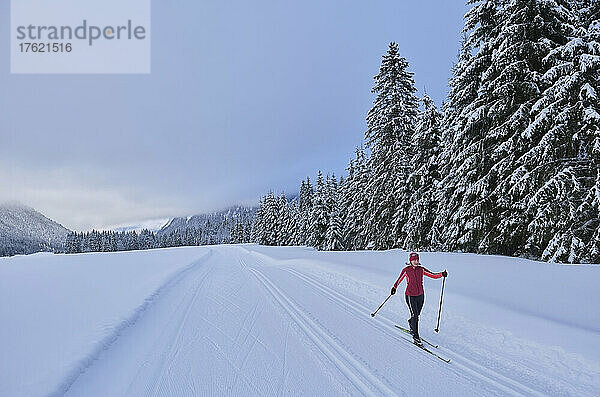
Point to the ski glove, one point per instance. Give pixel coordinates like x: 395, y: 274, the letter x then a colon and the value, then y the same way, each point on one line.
x: 445, y: 273
x: 393, y: 291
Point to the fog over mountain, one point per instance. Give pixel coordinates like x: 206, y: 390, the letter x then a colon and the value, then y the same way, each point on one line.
x: 215, y: 227
x: 24, y: 230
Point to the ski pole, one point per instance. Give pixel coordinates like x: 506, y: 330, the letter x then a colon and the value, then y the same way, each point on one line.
x: 437, y: 329
x: 386, y: 299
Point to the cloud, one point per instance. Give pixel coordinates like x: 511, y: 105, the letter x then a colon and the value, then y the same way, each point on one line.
x: 82, y: 200
x: 243, y: 97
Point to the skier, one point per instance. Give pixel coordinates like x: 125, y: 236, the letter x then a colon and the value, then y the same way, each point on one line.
x: 414, y: 295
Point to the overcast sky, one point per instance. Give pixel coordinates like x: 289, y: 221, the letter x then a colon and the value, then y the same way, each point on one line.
x: 243, y: 97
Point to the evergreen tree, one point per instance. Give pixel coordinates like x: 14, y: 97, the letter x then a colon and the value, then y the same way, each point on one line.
x: 93, y: 241
x: 292, y: 227
x: 237, y: 233
x: 258, y: 227
x: 555, y: 182
x: 334, y: 232
x: 271, y: 219
x: 531, y: 31
x: 112, y: 242
x: 265, y: 227
x: 424, y: 179
x: 190, y: 237
x: 305, y: 208
x: 459, y: 224
x: 510, y: 40
x: 391, y: 124
x: 318, y: 216
x: 357, y: 201
x: 283, y: 221
x: 72, y: 243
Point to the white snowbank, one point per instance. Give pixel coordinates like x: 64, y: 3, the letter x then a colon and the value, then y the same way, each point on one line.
x: 59, y: 311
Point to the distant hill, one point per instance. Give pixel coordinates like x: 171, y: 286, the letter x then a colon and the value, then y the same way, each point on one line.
x: 23, y: 230
x: 153, y: 225
x: 215, y: 227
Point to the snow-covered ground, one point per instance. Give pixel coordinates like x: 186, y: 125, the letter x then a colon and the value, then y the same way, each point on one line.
x: 252, y: 320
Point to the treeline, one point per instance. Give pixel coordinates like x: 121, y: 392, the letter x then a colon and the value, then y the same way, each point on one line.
x: 110, y: 241
x: 233, y: 225
x: 23, y: 245
x: 510, y: 165
x: 230, y: 225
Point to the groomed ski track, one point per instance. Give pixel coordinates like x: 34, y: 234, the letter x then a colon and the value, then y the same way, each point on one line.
x: 241, y: 322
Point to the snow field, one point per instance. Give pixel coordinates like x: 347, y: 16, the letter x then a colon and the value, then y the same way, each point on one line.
x: 254, y: 320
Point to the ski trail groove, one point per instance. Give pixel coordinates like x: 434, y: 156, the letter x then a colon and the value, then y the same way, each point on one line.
x: 489, y: 375
x: 238, y: 371
x: 360, y: 376
x: 284, y: 371
x: 380, y: 323
x: 110, y: 339
x: 173, y: 351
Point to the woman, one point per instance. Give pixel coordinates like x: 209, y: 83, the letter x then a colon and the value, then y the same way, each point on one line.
x: 414, y: 294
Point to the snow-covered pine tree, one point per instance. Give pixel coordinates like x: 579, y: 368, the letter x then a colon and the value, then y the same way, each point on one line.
x: 330, y: 192
x: 464, y: 85
x: 333, y: 236
x: 319, y: 217
x: 346, y: 197
x: 357, y: 201
x: 106, y: 241
x: 304, y: 209
x: 592, y: 21
x: 589, y: 25
x: 257, y: 234
x: 529, y: 31
x: 264, y: 225
x: 133, y: 241
x: 237, y: 233
x: 553, y: 184
x: 163, y: 240
x: 343, y: 205
x: 271, y: 219
x: 305, y: 197
x: 150, y: 239
x: 283, y: 220
x: 92, y: 242
x: 72, y: 243
x: 509, y: 40
x: 292, y: 229
x: 391, y: 123
x: 423, y: 181
x: 457, y: 227
x: 77, y: 242
x: 190, y: 237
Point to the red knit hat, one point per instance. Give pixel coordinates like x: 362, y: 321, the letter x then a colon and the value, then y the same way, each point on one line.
x: 413, y: 257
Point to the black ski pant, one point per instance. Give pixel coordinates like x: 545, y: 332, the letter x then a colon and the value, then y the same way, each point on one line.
x: 415, y: 304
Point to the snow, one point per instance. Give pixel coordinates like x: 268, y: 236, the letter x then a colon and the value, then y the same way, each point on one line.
x: 59, y: 311
x: 590, y: 115
x: 587, y: 92
x: 255, y: 320
x: 589, y: 62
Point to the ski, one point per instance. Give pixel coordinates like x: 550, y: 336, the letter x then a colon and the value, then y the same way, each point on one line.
x: 446, y: 360
x: 410, y: 333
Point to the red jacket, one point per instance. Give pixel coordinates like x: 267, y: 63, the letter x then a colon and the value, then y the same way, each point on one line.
x: 414, y: 279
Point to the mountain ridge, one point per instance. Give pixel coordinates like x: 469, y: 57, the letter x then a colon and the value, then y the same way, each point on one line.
x: 24, y: 230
